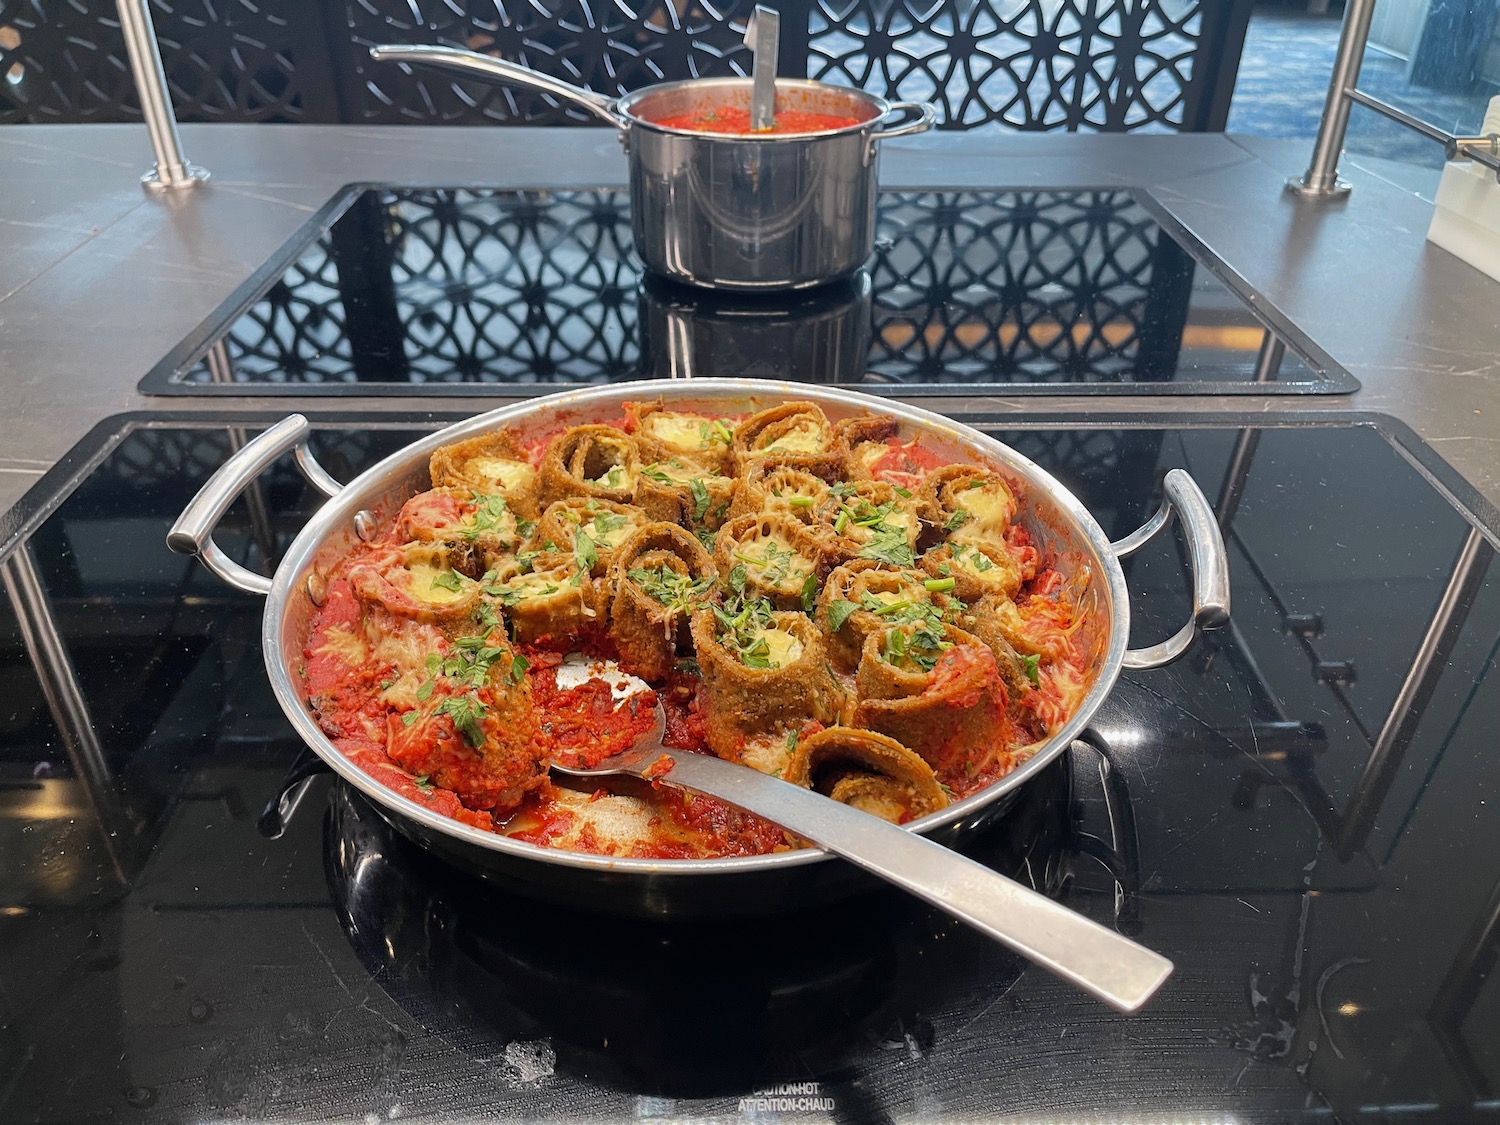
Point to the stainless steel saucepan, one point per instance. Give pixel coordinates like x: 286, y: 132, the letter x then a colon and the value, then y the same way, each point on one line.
x: 745, y: 212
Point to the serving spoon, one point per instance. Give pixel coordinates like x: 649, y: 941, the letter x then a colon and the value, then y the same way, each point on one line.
x: 1100, y: 961
x: 763, y: 37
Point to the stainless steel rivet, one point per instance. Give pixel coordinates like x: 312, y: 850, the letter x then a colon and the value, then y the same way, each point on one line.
x: 364, y: 524
x: 317, y: 588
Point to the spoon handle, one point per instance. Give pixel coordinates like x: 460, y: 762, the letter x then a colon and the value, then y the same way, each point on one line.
x: 1097, y: 959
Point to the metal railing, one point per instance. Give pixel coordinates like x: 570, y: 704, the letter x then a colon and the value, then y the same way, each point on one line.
x: 1321, y: 180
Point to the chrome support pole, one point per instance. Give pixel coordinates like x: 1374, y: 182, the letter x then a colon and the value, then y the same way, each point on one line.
x: 48, y: 652
x: 1321, y: 180
x: 172, y: 168
x: 1416, y: 692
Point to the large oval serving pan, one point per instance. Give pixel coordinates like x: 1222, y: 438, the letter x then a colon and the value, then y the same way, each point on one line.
x: 1061, y: 527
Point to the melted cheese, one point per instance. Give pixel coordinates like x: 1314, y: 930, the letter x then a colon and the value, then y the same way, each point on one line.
x: 622, y: 478
x: 965, y: 559
x: 346, y: 644
x: 990, y: 506
x: 784, y: 648
x: 406, y: 648
x: 806, y: 436
x: 682, y: 432
x: 424, y: 587
x: 677, y: 472
x: 503, y: 471
x: 614, y: 536
x: 538, y: 584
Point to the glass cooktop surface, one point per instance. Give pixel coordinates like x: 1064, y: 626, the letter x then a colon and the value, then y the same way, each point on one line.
x: 473, y: 291
x: 195, y: 926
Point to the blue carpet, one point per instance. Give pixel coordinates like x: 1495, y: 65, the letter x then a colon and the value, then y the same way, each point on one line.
x: 1283, y: 80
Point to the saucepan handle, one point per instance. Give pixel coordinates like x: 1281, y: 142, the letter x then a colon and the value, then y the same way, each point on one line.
x: 193, y: 533
x: 900, y: 119
x: 1210, y: 563
x: 489, y: 67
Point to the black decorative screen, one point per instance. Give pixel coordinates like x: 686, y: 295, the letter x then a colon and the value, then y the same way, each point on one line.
x: 1087, y: 65
x: 226, y: 60
x: 612, y: 46
x: 1033, y: 64
x: 454, y: 288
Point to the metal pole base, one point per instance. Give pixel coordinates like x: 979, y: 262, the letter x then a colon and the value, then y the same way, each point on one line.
x: 1298, y: 185
x: 195, y: 176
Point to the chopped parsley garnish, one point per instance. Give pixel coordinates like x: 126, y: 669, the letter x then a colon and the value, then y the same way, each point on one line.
x: 672, y: 589
x: 791, y: 740
x: 654, y: 472
x: 607, y: 522
x: 525, y: 527
x: 810, y: 593
x: 448, y: 580
x: 467, y: 713
x: 489, y: 513
x: 917, y: 646
x: 742, y: 626
x: 1032, y: 665
x: 518, y: 666
x: 409, y: 718
x: 585, y: 553
x: 737, y: 580
x: 959, y: 517
x: 839, y: 612
x: 890, y: 546
x: 701, y: 499
x: 980, y: 561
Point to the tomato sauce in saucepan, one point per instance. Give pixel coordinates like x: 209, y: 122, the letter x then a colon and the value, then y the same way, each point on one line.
x: 736, y: 122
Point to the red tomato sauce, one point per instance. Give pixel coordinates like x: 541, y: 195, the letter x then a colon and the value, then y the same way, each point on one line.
x: 736, y: 122
x: 582, y: 726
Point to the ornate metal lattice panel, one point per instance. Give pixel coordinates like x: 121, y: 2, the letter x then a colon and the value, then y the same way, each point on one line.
x: 1072, y: 65
x: 459, y: 286
x: 449, y: 286
x: 1044, y: 286
x: 226, y: 60
x: 611, y: 46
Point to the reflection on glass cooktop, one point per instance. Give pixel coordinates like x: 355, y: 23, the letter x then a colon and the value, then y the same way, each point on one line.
x: 454, y: 290
x: 1299, y: 814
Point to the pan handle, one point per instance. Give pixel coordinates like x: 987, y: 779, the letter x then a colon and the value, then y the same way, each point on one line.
x: 909, y: 117
x: 193, y: 533
x: 1210, y: 562
x: 473, y: 63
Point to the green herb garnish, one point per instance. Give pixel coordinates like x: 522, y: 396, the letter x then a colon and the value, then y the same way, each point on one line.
x: 839, y: 612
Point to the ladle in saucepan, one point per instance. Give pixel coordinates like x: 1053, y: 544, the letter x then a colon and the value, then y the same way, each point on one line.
x: 1078, y: 949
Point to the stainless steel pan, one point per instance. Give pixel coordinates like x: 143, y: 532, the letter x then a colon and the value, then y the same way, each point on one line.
x: 732, y: 212
x: 1061, y: 526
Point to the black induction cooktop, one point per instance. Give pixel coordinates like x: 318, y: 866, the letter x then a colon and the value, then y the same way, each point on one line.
x: 476, y: 291
x: 1301, y: 814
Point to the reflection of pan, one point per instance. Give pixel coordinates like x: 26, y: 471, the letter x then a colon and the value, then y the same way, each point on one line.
x: 685, y: 1009
x: 819, y: 335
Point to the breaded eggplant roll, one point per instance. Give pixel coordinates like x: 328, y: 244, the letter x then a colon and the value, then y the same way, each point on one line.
x: 860, y: 598
x: 660, y: 576
x: 682, y: 491
x: 663, y: 434
x: 796, y: 434
x: 549, y: 598
x: 594, y: 462
x: 765, y: 677
x: 591, y: 530
x: 780, y: 558
x: 867, y: 770
x: 416, y: 580
x: 492, y: 464
x: 937, y: 691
